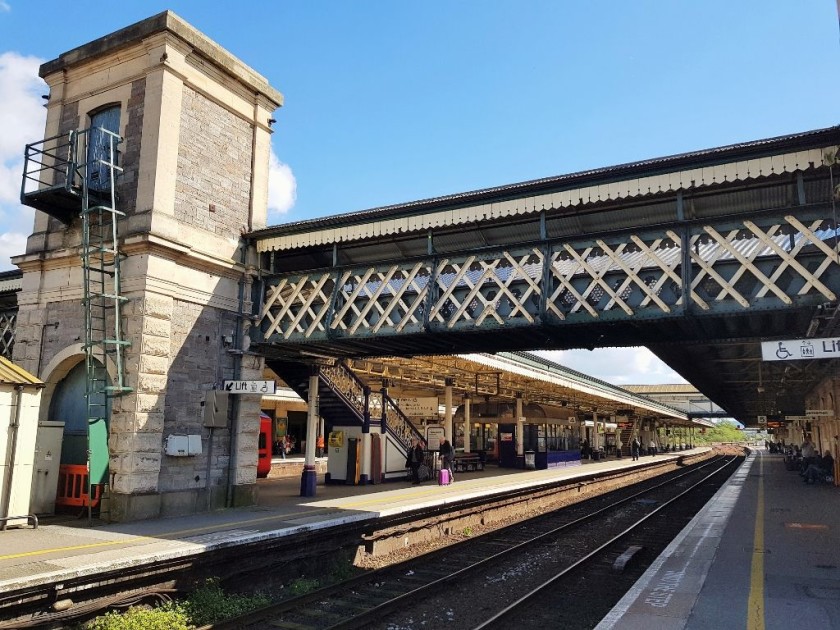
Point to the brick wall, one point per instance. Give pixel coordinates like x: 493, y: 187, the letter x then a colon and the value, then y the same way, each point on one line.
x: 214, y: 167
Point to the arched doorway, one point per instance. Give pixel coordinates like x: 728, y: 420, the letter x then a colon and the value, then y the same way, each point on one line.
x: 68, y: 404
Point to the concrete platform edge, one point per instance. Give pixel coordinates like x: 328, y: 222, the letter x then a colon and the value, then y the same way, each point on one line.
x: 727, y: 496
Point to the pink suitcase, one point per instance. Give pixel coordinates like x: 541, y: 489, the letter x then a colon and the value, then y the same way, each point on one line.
x: 443, y: 477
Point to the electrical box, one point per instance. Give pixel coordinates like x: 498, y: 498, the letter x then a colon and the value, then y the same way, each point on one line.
x: 216, y: 409
x: 46, y: 468
x: 183, y: 445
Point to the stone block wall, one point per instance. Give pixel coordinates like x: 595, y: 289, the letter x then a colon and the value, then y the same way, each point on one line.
x: 213, y: 187
x: 137, y: 419
x: 44, y: 332
x: 199, y: 361
x: 131, y: 145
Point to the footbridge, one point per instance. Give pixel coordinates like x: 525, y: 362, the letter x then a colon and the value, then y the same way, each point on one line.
x: 698, y: 256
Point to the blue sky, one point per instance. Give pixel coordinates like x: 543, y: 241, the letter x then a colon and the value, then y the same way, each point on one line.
x: 388, y: 102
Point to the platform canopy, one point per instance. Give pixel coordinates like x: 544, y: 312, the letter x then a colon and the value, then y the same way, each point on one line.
x: 501, y: 377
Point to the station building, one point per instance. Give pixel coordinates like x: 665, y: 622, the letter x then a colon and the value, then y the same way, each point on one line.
x: 139, y: 288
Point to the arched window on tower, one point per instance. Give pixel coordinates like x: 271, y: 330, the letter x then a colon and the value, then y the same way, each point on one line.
x: 102, y: 147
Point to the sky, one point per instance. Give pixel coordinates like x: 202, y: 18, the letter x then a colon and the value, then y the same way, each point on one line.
x: 389, y: 102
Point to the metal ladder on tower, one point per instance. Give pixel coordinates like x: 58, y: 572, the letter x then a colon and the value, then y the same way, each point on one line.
x: 103, y: 302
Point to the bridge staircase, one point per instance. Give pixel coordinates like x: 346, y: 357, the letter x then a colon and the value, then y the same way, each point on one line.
x: 72, y: 176
x: 624, y: 437
x: 343, y: 399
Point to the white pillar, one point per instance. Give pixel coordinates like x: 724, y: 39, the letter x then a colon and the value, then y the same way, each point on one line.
x: 467, y: 424
x: 596, y: 440
x: 520, y: 427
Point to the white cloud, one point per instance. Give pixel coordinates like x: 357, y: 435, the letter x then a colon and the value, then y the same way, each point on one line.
x: 21, y: 110
x: 11, y: 244
x: 5, y: 7
x: 22, y: 118
x: 619, y: 366
x: 282, y: 187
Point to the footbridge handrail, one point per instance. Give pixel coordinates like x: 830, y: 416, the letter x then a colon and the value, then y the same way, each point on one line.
x: 771, y: 260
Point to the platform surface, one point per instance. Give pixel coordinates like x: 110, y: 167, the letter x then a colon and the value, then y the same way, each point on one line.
x: 764, y: 553
x: 61, y: 551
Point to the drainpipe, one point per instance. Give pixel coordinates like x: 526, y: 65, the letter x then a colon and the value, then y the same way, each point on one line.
x: 233, y: 460
x: 10, y: 457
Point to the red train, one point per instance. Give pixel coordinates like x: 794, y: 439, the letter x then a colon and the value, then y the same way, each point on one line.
x: 264, y: 447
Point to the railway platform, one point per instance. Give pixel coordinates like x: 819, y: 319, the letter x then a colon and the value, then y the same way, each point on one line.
x: 62, y: 551
x: 764, y: 553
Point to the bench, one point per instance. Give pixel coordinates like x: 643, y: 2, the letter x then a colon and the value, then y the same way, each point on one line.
x: 467, y: 462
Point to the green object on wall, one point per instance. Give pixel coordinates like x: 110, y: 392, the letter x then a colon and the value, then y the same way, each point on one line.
x: 98, y: 448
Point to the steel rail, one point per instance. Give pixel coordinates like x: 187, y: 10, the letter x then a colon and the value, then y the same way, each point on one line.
x: 365, y: 617
x: 505, y: 614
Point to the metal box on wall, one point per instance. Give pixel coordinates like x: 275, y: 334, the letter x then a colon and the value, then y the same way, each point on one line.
x: 216, y: 409
x: 46, y: 466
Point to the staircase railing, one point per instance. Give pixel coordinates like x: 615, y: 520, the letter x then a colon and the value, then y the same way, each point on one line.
x: 341, y: 379
x: 397, y: 423
x: 345, y: 384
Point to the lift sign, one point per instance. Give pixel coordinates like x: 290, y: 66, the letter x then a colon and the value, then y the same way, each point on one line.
x: 251, y: 387
x: 793, y: 349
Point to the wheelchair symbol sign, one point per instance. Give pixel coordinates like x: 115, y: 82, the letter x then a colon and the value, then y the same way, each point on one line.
x: 800, y: 349
x: 782, y: 352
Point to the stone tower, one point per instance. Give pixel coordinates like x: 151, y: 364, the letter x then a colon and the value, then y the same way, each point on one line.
x: 195, y: 123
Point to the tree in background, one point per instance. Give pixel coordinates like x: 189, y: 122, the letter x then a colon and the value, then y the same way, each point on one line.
x: 723, y: 431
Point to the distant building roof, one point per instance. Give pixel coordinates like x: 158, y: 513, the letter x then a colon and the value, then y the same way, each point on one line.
x: 671, y: 388
x: 11, y: 281
x: 12, y: 374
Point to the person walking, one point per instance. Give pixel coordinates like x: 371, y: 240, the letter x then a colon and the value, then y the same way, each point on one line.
x: 635, y: 446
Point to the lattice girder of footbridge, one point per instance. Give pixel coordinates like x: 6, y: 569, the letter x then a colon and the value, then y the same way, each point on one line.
x: 732, y: 243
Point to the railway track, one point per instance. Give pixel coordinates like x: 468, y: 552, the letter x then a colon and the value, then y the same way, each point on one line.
x: 531, y: 553
x: 551, y: 603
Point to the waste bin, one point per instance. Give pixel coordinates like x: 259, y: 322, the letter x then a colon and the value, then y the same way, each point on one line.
x: 530, y: 460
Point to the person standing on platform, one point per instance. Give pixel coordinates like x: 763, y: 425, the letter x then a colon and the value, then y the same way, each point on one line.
x: 447, y: 456
x: 652, y: 448
x: 415, y: 459
x: 635, y: 446
x: 319, y: 445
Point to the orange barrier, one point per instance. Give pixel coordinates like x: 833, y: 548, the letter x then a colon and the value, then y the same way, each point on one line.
x: 73, y: 486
